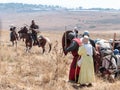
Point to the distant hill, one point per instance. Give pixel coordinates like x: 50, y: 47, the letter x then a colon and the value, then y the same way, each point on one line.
x: 20, y: 7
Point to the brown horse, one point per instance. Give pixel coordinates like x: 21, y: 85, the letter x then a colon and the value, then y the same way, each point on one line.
x: 13, y: 36
x: 105, y: 49
x: 23, y: 33
x: 42, y: 43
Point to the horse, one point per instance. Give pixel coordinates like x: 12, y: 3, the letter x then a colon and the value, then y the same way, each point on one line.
x: 13, y: 36
x: 22, y: 33
x: 41, y: 40
x: 107, y: 64
x: 104, y: 49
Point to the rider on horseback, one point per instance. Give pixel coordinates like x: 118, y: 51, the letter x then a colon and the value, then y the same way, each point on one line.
x: 33, y: 27
x: 13, y: 32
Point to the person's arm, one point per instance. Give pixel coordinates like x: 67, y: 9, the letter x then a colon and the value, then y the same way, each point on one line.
x: 92, y: 42
x: 81, y: 51
x: 72, y: 47
x: 95, y: 52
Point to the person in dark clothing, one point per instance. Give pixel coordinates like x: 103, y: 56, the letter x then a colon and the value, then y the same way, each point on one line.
x: 73, y: 47
x: 13, y: 31
x: 75, y: 31
x: 33, y: 27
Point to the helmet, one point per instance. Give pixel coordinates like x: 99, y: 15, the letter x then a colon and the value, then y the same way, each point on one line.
x: 116, y: 51
x: 71, y: 35
x: 96, y: 40
x: 86, y: 33
x: 75, y: 28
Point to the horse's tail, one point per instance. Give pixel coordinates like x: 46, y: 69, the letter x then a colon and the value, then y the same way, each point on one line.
x: 49, y: 42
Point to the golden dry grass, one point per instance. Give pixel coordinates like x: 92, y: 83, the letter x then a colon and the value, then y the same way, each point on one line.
x: 37, y: 71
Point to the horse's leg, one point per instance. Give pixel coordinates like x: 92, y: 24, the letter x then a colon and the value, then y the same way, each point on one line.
x: 26, y: 49
x: 50, y: 47
x: 43, y: 49
x: 16, y: 43
x: 12, y: 43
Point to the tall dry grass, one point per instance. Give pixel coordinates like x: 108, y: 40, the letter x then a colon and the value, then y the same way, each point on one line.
x: 36, y: 71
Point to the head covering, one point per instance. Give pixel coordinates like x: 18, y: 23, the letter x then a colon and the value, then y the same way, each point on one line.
x: 12, y: 27
x: 111, y: 40
x: 116, y: 51
x: 75, y: 28
x: 85, y: 39
x: 71, y: 35
x: 86, y: 33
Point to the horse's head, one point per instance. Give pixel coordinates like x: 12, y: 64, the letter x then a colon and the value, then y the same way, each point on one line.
x: 23, y: 30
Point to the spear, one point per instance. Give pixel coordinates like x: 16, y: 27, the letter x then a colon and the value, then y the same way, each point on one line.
x: 65, y: 37
x: 114, y: 41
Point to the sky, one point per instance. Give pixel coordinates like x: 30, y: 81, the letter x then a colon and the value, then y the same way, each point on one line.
x: 72, y: 3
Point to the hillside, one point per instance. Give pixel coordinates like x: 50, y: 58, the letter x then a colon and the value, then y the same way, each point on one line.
x: 36, y: 71
x: 57, y: 20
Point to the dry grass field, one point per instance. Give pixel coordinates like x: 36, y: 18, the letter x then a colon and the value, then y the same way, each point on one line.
x: 36, y: 71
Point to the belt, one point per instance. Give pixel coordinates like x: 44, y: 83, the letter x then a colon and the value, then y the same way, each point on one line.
x: 88, y: 55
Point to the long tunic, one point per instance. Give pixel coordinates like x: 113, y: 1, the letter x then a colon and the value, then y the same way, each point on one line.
x: 74, y: 71
x: 86, y: 74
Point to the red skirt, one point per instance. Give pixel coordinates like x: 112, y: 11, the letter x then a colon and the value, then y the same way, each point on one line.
x: 74, y: 71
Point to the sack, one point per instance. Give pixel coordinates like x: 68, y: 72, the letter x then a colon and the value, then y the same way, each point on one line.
x: 79, y: 62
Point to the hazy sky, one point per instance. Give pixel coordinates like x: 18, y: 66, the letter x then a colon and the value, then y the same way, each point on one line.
x: 72, y: 3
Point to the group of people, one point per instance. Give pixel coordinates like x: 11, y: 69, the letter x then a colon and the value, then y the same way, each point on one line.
x: 33, y: 28
x: 82, y: 66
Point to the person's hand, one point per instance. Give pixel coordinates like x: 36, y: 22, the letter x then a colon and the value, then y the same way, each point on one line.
x: 97, y: 53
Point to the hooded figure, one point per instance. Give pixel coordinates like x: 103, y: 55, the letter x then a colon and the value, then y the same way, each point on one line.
x: 86, y: 33
x: 73, y: 47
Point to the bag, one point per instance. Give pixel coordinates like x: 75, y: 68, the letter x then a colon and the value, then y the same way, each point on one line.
x: 79, y: 62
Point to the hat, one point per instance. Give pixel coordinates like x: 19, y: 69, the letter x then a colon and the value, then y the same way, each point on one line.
x: 75, y: 27
x: 86, y: 33
x: 71, y: 35
x: 116, y: 51
x: 86, y: 37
